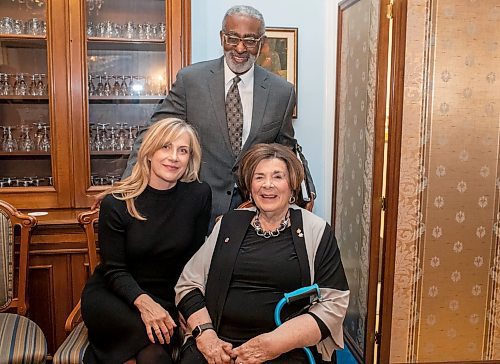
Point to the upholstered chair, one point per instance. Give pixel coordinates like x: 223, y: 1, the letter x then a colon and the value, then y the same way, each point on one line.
x: 21, y: 340
x: 73, y: 348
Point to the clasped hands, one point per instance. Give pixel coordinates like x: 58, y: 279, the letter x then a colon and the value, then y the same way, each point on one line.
x: 255, y: 351
x: 156, y: 319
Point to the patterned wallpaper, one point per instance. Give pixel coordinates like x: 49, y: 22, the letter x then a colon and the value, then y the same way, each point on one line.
x: 355, y: 155
x: 447, y: 293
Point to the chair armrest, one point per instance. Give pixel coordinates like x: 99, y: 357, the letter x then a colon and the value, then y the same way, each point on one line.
x: 74, y: 318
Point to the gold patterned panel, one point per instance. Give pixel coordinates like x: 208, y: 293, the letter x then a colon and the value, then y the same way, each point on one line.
x: 446, y: 296
x: 354, y: 176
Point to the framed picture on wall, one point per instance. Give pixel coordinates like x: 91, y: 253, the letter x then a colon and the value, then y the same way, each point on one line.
x: 279, y: 54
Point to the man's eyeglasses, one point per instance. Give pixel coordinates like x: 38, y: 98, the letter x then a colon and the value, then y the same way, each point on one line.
x: 249, y: 42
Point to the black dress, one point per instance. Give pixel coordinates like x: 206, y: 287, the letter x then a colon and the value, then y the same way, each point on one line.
x: 140, y: 257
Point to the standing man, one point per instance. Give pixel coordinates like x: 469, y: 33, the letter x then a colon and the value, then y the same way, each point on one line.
x: 233, y: 103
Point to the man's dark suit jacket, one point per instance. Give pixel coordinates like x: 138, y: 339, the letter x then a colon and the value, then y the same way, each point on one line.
x: 198, y: 97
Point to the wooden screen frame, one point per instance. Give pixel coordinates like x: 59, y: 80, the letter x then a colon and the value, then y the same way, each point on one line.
x: 367, y: 355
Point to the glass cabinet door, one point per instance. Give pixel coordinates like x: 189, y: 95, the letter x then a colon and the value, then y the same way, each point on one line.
x: 126, y: 78
x: 25, y: 123
x: 35, y: 162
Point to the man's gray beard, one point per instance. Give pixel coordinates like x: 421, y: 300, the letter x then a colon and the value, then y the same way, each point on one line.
x: 239, y: 68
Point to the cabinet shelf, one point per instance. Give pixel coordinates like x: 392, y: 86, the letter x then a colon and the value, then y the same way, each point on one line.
x: 108, y: 153
x: 125, y: 99
x: 23, y: 41
x: 38, y: 189
x: 24, y: 99
x: 122, y: 44
x: 24, y: 154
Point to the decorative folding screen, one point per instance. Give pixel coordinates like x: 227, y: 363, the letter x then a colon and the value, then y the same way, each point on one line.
x: 446, y: 304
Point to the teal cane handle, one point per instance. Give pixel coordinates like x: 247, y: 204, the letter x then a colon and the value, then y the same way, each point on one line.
x: 296, y: 295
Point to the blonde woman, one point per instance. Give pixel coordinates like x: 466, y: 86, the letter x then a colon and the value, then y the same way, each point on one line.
x: 150, y: 225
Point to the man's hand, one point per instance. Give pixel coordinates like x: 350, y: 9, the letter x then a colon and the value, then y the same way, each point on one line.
x: 215, y: 350
x: 155, y: 318
x: 256, y: 350
x: 310, y: 205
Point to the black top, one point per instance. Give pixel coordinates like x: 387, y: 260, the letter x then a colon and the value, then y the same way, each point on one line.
x: 148, y: 256
x: 264, y: 270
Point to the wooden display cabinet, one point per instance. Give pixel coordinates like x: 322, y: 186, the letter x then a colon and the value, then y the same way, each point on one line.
x: 69, y: 46
x: 100, y: 64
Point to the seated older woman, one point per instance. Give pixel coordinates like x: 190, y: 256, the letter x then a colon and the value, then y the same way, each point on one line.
x: 228, y: 290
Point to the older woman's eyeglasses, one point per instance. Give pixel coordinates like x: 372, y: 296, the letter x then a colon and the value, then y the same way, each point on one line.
x: 233, y: 40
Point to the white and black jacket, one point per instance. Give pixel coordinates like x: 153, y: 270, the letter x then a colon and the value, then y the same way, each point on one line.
x: 206, y: 277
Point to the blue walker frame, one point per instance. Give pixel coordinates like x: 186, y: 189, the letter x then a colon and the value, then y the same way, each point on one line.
x: 296, y: 295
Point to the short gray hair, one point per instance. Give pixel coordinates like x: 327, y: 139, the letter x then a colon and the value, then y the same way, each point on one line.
x: 245, y: 10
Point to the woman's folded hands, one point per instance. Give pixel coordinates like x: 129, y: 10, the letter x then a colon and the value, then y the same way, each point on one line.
x: 215, y: 350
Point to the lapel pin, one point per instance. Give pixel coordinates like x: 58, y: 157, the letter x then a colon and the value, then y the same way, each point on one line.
x: 299, y: 233
x: 226, y: 240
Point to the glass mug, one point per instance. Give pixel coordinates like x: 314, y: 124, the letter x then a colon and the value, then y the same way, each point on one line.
x: 34, y: 26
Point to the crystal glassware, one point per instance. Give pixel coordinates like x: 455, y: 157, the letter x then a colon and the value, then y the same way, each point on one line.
x: 101, y: 141
x: 18, y: 27
x: 129, y: 30
x: 107, y: 86
x: 113, y: 178
x: 129, y: 143
x: 32, y: 90
x: 38, y: 132
x: 116, y: 89
x: 100, y: 87
x: 113, y: 139
x: 26, y: 142
x: 4, y: 84
x: 9, y: 143
x: 6, y: 25
x: 20, y: 87
x: 41, y: 87
x: 34, y: 26
x: 44, y: 144
x: 92, y: 89
x: 124, y: 89
x: 122, y: 135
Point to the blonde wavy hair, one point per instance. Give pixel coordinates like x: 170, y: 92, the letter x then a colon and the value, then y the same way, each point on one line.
x: 159, y: 134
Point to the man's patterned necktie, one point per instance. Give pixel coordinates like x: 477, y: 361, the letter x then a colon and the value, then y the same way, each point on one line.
x: 234, y: 116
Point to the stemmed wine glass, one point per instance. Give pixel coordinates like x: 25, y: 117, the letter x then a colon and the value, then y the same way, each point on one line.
x: 131, y: 86
x: 116, y: 89
x: 41, y: 88
x: 38, y: 132
x: 122, y: 137
x: 4, y: 136
x: 100, y: 142
x: 129, y: 143
x: 27, y: 143
x: 124, y: 89
x: 113, y: 139
x: 100, y: 87
x: 4, y: 84
x: 44, y: 144
x: 92, y: 89
x: 107, y: 86
x: 9, y: 143
x: 33, y: 91
x: 20, y: 87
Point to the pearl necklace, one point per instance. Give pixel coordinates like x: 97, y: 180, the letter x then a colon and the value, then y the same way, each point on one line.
x: 273, y: 233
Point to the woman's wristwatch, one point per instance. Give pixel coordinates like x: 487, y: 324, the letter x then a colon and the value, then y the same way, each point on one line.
x: 200, y: 328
